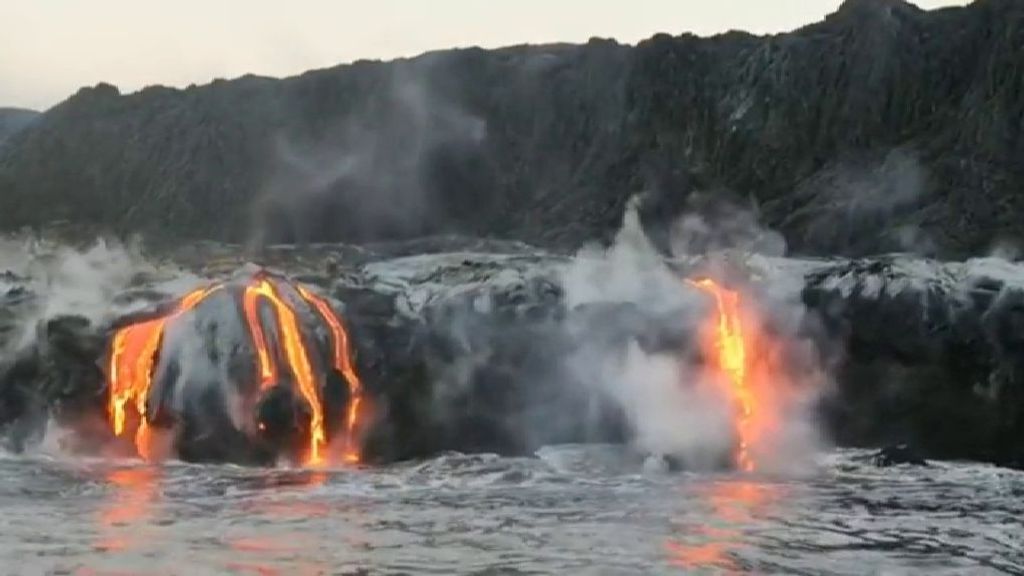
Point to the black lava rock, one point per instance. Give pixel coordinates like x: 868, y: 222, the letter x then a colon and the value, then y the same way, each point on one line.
x: 898, y: 455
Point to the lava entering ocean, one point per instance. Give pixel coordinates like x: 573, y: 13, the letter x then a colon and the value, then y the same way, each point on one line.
x: 132, y: 359
x: 135, y: 353
x: 746, y: 366
x: 343, y: 364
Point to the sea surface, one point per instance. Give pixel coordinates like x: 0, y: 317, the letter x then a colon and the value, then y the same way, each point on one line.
x: 570, y: 510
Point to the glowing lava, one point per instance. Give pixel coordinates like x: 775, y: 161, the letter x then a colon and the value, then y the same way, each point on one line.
x: 343, y: 364
x: 267, y: 369
x: 726, y: 342
x: 131, y: 366
x: 295, y: 354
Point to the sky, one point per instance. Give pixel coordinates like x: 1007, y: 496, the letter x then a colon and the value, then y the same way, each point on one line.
x: 50, y: 48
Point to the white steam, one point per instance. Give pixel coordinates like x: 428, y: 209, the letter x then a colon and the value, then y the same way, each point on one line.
x: 669, y: 409
x: 67, y: 281
x: 731, y: 229
x: 630, y: 270
x: 672, y: 405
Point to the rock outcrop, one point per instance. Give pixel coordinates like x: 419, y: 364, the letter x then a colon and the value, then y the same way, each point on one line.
x: 930, y: 354
x: 881, y: 113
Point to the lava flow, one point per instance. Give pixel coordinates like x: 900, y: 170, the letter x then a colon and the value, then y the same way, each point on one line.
x: 297, y: 357
x: 135, y: 349
x: 132, y: 357
x: 733, y: 350
x: 343, y: 364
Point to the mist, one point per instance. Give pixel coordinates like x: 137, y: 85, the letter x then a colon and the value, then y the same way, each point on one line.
x: 669, y: 396
x: 867, y: 204
x: 374, y: 171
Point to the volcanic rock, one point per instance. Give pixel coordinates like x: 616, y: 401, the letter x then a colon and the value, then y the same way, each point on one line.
x: 59, y: 374
x: 931, y: 354
x: 896, y: 456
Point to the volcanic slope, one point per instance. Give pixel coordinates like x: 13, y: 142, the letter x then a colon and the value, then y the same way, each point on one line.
x: 881, y: 113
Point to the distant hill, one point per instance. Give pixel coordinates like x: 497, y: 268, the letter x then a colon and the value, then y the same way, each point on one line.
x: 883, y: 127
x: 13, y: 120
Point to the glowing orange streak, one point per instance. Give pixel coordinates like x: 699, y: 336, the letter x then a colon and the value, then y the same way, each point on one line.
x: 130, y: 362
x: 142, y: 440
x: 268, y: 372
x: 298, y: 360
x: 731, y: 357
x: 343, y: 364
x: 734, y: 505
x: 133, y: 353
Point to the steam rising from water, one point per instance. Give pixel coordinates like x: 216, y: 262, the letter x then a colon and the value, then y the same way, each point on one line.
x: 630, y: 270
x: 665, y: 394
x: 85, y: 283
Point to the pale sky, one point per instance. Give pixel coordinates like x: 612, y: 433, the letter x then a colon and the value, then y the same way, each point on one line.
x: 50, y: 48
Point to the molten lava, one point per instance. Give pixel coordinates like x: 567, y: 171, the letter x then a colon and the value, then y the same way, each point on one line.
x: 343, y: 364
x: 267, y: 369
x: 731, y: 349
x: 135, y: 349
x: 297, y: 357
x: 131, y: 366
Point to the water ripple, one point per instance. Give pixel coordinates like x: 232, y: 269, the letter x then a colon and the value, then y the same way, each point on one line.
x: 575, y: 509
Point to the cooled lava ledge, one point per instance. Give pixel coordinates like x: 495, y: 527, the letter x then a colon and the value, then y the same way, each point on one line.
x: 932, y: 354
x: 466, y: 352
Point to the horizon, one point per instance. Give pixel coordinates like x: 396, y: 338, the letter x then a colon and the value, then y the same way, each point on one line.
x: 258, y: 38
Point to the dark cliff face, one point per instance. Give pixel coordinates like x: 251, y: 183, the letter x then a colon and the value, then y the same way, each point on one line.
x: 883, y: 127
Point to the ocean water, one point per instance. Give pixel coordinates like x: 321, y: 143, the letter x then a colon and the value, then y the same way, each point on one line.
x: 570, y: 510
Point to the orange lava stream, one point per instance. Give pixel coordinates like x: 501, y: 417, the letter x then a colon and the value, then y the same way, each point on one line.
x: 343, y: 364
x: 296, y: 355
x: 131, y: 367
x: 727, y: 344
x: 268, y: 371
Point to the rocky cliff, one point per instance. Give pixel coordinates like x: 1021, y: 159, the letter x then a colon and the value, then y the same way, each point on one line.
x: 883, y: 127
